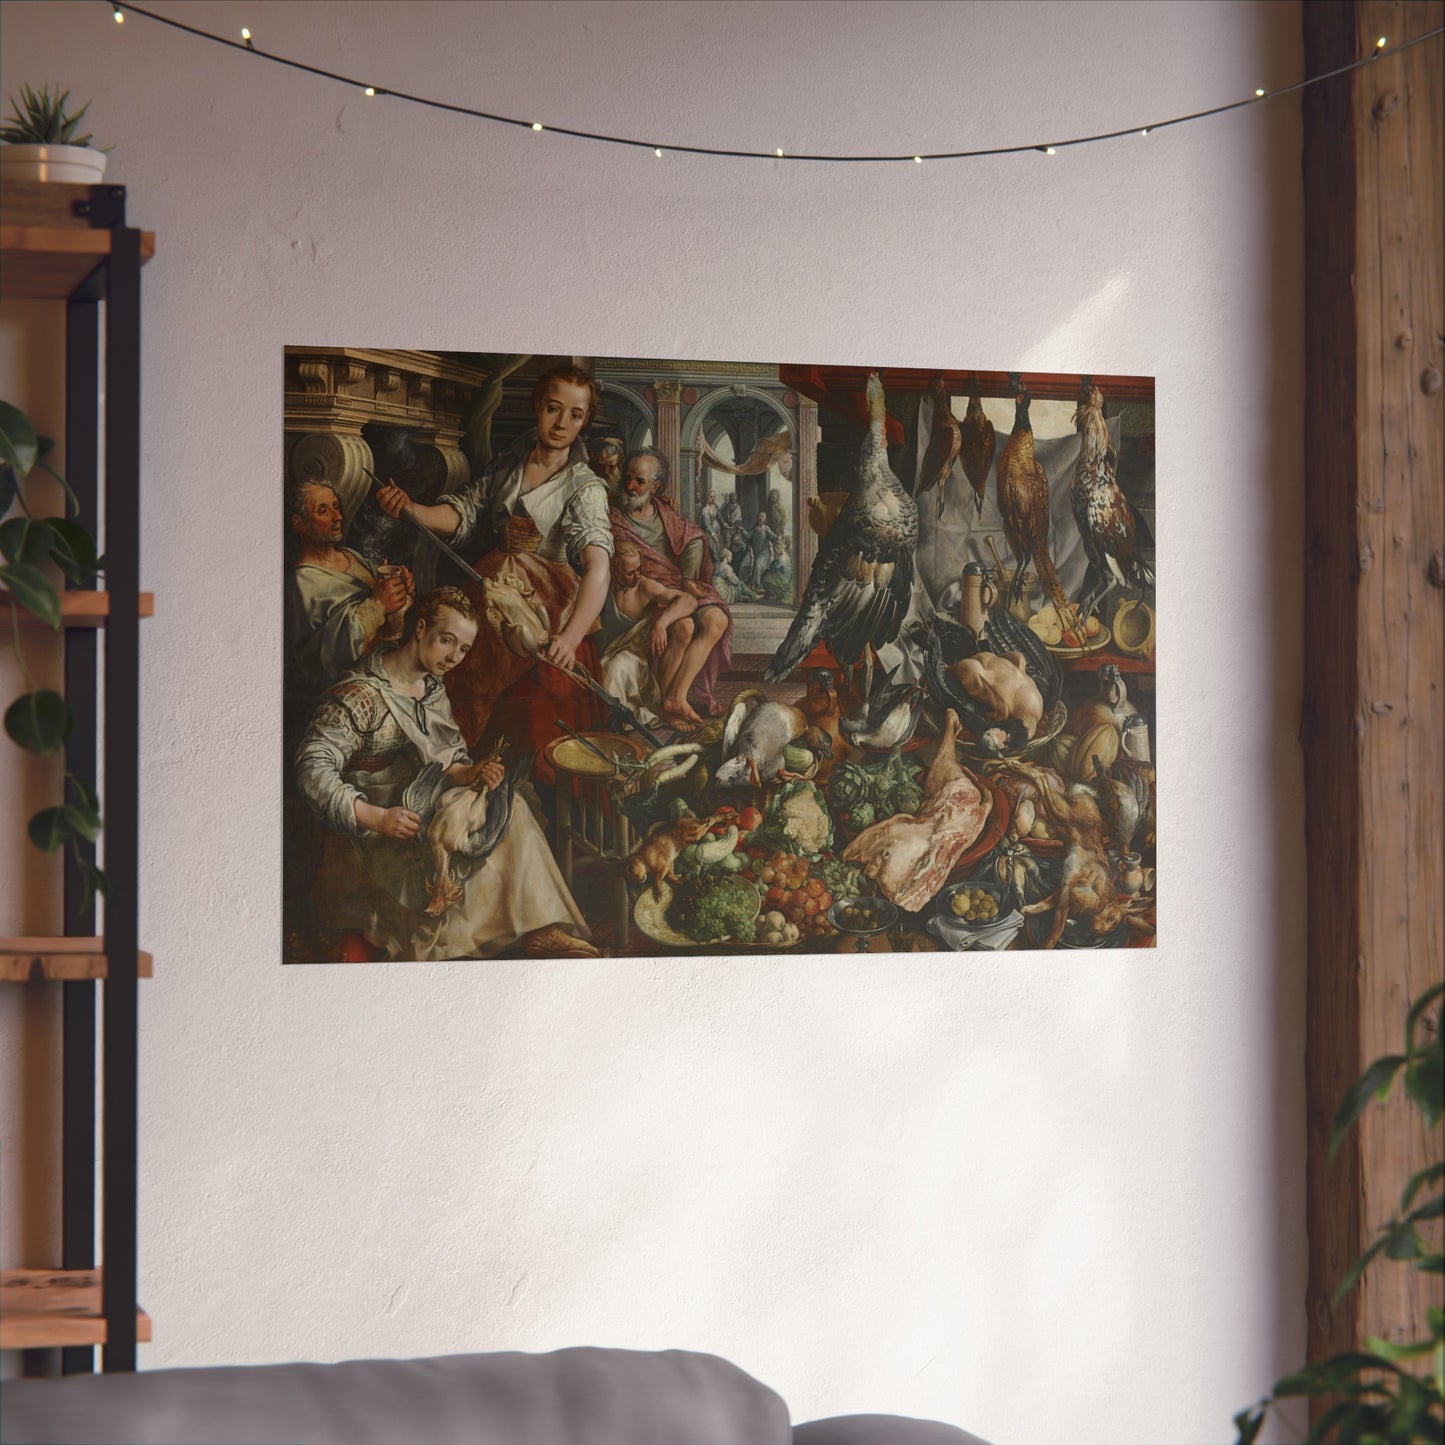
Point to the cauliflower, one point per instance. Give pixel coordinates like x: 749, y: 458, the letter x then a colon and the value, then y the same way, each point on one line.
x: 796, y: 822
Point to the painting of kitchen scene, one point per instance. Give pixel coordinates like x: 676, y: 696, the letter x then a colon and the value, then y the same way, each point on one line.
x: 597, y: 656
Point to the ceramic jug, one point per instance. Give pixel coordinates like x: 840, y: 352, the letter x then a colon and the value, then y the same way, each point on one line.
x: 978, y: 595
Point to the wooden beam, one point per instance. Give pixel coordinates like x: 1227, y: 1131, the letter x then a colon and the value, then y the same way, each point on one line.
x: 1372, y: 729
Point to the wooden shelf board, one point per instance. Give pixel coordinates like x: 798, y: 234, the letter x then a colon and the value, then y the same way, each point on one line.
x: 50, y: 1308
x: 58, y: 959
x: 77, y: 609
x: 49, y: 262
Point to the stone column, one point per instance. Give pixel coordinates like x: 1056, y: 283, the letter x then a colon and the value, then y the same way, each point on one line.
x: 669, y: 430
x: 809, y: 436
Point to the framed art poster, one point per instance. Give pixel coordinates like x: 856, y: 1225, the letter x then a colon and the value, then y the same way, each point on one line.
x: 636, y: 656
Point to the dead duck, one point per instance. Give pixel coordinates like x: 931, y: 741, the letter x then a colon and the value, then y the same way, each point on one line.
x: 755, y: 741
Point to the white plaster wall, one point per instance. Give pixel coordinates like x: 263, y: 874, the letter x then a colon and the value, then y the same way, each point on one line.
x: 1046, y: 1198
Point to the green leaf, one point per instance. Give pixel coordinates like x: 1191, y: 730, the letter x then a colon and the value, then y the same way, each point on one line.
x: 1431, y: 1264
x: 1356, y: 1270
x: 39, y: 721
x: 1425, y: 1082
x: 8, y: 488
x: 1249, y: 1423
x: 1416, y: 1009
x: 33, y: 590
x: 87, y: 799
x: 94, y: 880
x: 1374, y: 1083
x: 22, y: 539
x: 74, y: 549
x: 48, y: 829
x: 1419, y: 1180
x: 18, y: 448
x: 1387, y: 1349
x: 1403, y: 1243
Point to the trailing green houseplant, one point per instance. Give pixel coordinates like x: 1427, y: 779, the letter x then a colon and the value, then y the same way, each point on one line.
x: 1377, y: 1395
x: 40, y: 719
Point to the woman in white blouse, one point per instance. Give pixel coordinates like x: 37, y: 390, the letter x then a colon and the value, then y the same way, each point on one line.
x: 539, y: 515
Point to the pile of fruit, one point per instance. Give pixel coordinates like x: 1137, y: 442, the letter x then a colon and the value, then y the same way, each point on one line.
x: 974, y: 905
x: 794, y: 891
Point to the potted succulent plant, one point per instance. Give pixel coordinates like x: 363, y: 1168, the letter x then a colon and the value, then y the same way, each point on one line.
x: 40, y: 141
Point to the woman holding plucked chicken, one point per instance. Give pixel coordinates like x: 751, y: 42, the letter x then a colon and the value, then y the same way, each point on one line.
x: 540, y: 515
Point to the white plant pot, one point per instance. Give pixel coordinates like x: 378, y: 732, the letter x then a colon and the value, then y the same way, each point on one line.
x: 77, y: 164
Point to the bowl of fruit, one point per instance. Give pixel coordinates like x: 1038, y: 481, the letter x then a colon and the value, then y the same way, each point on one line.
x: 976, y: 914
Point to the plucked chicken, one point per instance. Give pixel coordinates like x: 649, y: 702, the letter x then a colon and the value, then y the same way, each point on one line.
x: 976, y: 448
x: 1023, y: 500
x: 859, y: 589
x: 1115, y: 535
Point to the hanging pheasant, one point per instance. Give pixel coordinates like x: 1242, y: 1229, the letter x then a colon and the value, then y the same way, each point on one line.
x: 1023, y: 501
x: 943, y: 440
x: 1114, y: 533
x: 976, y: 448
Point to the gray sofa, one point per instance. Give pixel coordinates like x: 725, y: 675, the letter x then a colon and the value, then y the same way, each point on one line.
x: 570, y: 1397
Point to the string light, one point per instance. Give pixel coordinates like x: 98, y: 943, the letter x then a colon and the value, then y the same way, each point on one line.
x: 777, y: 154
x: 657, y: 151
x: 119, y: 14
x: 371, y: 90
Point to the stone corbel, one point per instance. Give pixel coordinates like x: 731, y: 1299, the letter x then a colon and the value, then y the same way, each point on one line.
x: 339, y: 460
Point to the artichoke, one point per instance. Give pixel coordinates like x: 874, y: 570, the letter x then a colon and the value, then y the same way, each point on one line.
x: 848, y: 786
x: 905, y: 798
x: 861, y: 816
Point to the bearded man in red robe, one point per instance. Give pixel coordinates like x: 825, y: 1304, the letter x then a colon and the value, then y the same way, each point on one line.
x: 674, y: 551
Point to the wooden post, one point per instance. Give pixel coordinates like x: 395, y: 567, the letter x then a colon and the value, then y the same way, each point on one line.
x: 1372, y: 730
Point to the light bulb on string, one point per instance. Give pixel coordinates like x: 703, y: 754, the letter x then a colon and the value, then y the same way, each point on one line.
x: 122, y: 12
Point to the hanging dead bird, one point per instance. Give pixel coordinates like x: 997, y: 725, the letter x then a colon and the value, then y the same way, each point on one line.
x: 1023, y: 501
x: 943, y: 442
x: 862, y: 580
x: 976, y: 449
x: 889, y: 714
x: 1115, y: 534
x: 768, y: 453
